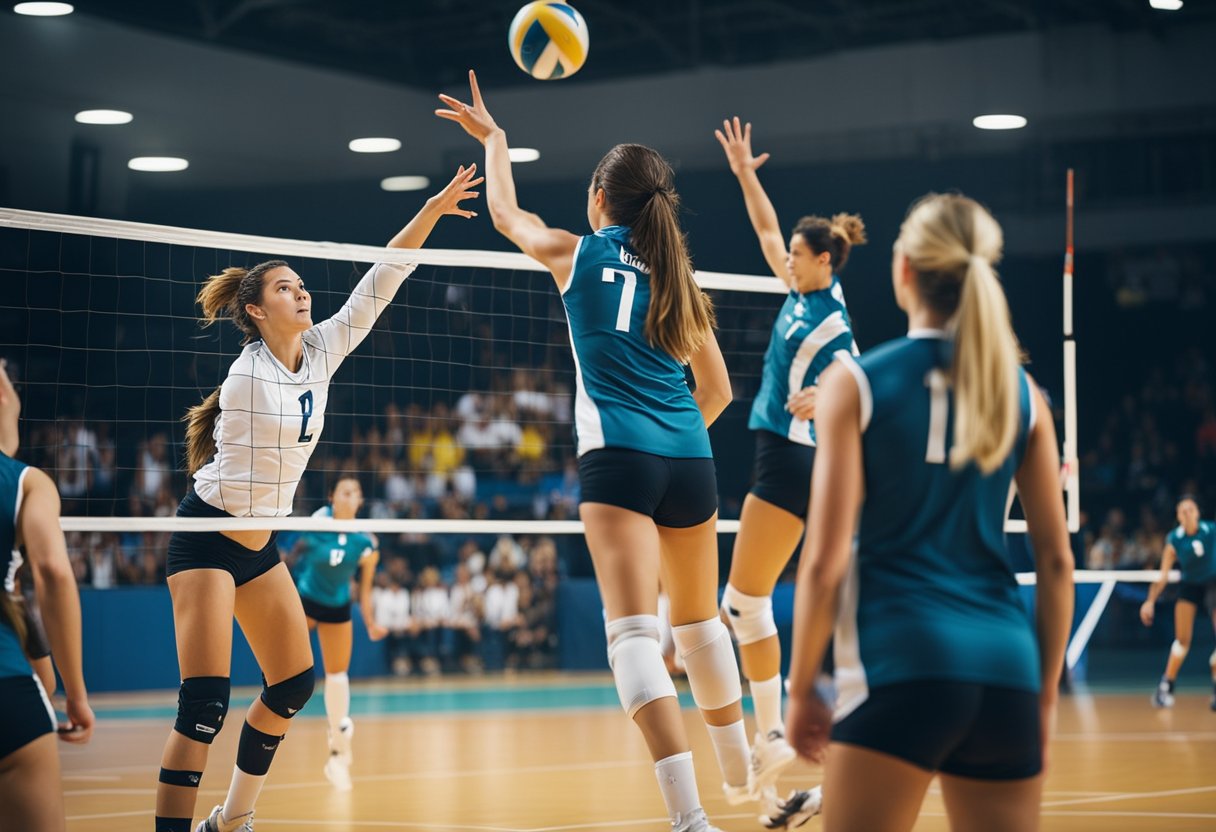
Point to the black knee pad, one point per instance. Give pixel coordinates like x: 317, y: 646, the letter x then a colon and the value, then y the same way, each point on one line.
x: 290, y: 695
x: 202, y: 703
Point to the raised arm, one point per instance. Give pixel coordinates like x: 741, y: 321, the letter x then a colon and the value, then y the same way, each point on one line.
x: 836, y: 489
x: 55, y: 587
x: 342, y: 333
x: 552, y: 247
x: 736, y: 141
x: 1039, y: 492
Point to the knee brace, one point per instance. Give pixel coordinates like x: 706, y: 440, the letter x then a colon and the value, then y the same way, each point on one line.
x: 751, y: 617
x: 1179, y: 650
x: 287, y: 697
x: 1212, y: 660
x: 202, y: 704
x: 709, y: 659
x: 636, y: 661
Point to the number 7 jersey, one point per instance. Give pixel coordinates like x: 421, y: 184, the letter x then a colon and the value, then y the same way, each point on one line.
x: 628, y: 393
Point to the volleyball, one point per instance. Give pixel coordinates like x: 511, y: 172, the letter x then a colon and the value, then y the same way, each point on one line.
x: 548, y: 40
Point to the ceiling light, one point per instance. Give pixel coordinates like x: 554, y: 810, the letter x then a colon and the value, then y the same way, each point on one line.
x: 1166, y: 5
x: 523, y: 154
x: 380, y: 145
x: 44, y: 9
x: 999, y: 122
x: 103, y: 117
x: 405, y: 183
x: 158, y: 164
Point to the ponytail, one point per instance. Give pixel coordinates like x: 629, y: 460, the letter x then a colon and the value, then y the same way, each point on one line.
x: 200, y: 431
x: 639, y: 193
x: 951, y: 243
x: 986, y: 359
x: 226, y: 293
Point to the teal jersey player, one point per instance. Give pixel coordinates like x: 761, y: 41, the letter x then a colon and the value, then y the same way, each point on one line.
x: 939, y: 598
x: 1196, y: 557
x: 629, y: 394
x: 810, y: 329
x: 13, y: 661
x: 326, y: 563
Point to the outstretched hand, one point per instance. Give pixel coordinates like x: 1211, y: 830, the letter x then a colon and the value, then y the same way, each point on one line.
x: 475, y: 118
x: 736, y: 140
x: 448, y: 200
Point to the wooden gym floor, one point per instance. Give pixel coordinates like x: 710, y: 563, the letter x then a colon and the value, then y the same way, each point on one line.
x: 555, y: 753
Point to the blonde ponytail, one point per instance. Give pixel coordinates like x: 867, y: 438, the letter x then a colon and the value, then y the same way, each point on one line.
x: 986, y: 358
x: 951, y: 243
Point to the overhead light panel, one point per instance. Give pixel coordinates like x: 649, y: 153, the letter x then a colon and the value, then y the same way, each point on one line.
x: 104, y: 117
x: 1166, y: 5
x: 523, y: 154
x: 1002, y: 121
x: 375, y: 145
x: 158, y: 164
x: 44, y: 9
x: 405, y: 183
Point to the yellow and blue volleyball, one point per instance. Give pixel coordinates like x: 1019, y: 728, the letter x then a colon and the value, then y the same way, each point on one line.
x: 548, y: 40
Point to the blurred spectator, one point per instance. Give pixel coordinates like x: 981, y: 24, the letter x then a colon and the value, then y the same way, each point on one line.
x: 391, y: 606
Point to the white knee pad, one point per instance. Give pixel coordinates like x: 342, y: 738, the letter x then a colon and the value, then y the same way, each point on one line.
x: 1178, y: 650
x: 1212, y: 660
x: 636, y: 661
x: 750, y: 617
x: 710, y: 661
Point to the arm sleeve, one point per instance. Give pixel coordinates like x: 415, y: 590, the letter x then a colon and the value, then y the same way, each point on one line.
x: 338, y: 336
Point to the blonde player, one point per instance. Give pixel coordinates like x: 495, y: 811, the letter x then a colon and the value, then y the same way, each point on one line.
x: 31, y: 793
x: 247, y: 446
x: 937, y: 669
x: 646, y: 470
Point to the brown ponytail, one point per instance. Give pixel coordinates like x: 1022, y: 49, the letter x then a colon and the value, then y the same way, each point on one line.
x: 836, y: 236
x: 226, y: 293
x: 639, y: 192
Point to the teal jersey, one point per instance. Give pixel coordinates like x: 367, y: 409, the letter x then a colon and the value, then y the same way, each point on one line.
x: 1195, y: 555
x: 13, y: 661
x: 326, y: 563
x: 628, y: 394
x: 931, y: 592
x: 808, y: 332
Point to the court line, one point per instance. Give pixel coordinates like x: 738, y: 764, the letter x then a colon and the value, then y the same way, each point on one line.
x: 1130, y: 796
x: 1146, y: 736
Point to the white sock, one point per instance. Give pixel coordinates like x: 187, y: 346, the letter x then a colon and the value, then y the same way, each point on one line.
x: 242, y: 794
x: 337, y: 700
x: 766, y: 699
x: 678, y: 783
x: 730, y: 746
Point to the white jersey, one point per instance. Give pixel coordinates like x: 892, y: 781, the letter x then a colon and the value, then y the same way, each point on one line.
x: 271, y: 418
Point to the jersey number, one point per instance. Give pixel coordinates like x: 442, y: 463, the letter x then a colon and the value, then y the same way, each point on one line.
x: 625, y: 310
x: 336, y: 556
x: 305, y: 412
x: 939, y: 415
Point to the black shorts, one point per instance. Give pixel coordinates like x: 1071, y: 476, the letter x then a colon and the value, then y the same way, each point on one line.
x: 212, y: 550
x: 782, y: 472
x: 1198, y: 594
x: 677, y: 493
x: 326, y: 614
x: 961, y: 728
x: 27, y: 713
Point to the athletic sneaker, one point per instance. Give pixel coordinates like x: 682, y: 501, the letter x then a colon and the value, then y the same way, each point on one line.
x: 215, y: 822
x: 749, y: 793
x: 337, y: 772
x: 695, y: 821
x: 771, y: 755
x: 795, y: 810
x: 1164, y: 695
x: 340, y: 744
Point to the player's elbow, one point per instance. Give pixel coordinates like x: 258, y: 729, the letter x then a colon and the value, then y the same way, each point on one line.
x: 53, y: 572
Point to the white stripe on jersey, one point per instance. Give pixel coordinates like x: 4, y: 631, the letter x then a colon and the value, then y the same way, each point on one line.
x: 587, y: 423
x: 830, y: 328
x: 270, y: 417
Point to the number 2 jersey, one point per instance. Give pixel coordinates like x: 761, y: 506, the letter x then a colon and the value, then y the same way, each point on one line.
x: 326, y: 562
x: 628, y: 394
x: 271, y: 417
x: 931, y: 593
